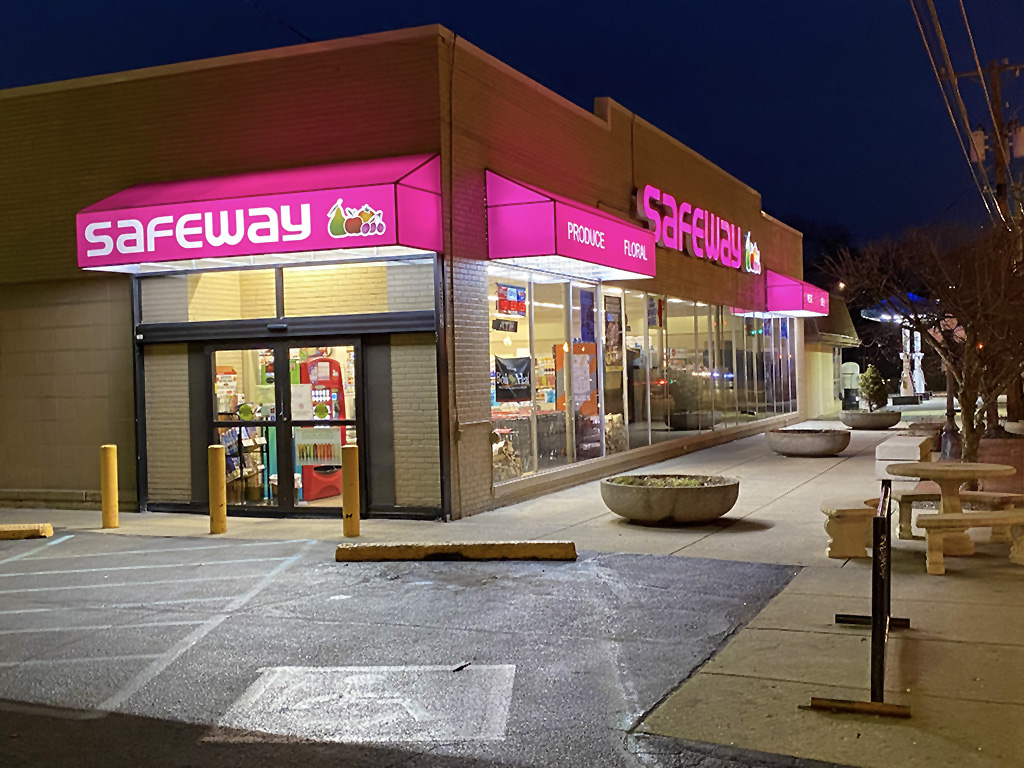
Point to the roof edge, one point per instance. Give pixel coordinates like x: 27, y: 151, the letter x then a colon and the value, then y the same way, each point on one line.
x: 232, y: 59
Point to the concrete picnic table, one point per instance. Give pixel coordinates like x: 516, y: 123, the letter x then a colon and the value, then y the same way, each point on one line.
x: 949, y: 476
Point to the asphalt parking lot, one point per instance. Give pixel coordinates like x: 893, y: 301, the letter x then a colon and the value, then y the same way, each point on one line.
x: 162, y: 651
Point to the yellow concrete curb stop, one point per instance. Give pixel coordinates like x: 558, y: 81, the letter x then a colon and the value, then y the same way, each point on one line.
x: 26, y: 531
x: 489, y: 550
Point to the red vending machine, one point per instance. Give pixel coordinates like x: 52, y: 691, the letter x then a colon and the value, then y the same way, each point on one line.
x: 321, y: 471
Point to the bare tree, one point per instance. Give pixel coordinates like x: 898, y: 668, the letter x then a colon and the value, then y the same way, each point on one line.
x: 963, y: 292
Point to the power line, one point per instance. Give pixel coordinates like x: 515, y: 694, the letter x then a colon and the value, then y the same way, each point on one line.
x: 996, y: 122
x: 949, y: 110
x: 278, y: 20
x: 961, y: 108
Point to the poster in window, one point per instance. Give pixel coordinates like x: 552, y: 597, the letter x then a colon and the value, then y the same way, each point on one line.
x: 511, y: 379
x: 613, y: 332
x: 654, y: 312
x: 511, y: 300
x: 586, y: 316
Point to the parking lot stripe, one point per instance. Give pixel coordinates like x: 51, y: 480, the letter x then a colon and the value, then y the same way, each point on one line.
x: 140, y: 567
x: 153, y: 670
x: 122, y: 584
x: 104, y: 627
x: 32, y: 551
x: 83, y: 660
x: 233, y: 545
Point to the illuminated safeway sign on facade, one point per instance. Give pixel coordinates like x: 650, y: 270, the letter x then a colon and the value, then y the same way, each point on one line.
x: 683, y: 227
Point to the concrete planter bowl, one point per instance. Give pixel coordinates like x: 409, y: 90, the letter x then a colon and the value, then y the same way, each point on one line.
x: 870, y: 419
x: 808, y: 442
x: 662, y: 499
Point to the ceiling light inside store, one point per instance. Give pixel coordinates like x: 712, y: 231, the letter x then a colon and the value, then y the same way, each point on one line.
x: 676, y: 301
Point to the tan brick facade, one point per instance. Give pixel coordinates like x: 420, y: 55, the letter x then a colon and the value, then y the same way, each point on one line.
x: 67, y: 145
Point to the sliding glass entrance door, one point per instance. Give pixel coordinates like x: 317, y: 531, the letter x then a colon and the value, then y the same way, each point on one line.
x: 283, y: 411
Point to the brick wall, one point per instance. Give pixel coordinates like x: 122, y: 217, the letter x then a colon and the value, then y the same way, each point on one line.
x: 414, y: 402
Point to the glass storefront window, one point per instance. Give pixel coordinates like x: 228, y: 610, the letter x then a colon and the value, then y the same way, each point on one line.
x: 615, y: 436
x: 243, y: 294
x: 583, y: 374
x: 731, y: 379
x: 354, y: 289
x: 513, y: 382
x: 636, y: 360
x: 582, y: 370
x: 555, y: 445
x: 394, y: 285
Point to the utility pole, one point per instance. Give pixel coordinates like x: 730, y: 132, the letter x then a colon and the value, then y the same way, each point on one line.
x: 999, y: 137
x: 1001, y: 165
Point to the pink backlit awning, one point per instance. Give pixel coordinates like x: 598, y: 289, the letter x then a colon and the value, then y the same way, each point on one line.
x: 364, y: 204
x: 794, y: 298
x: 539, y: 229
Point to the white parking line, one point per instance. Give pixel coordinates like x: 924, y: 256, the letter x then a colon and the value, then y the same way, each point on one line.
x: 141, y: 567
x: 153, y: 670
x: 162, y: 551
x: 122, y: 584
x: 50, y: 543
x: 160, y: 602
x: 103, y: 627
x: 84, y: 660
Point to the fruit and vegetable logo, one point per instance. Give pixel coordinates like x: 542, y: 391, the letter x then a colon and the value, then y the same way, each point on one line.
x: 346, y: 222
x: 751, y: 256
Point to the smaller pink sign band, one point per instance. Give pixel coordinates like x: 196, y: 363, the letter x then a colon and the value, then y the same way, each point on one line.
x: 524, y: 221
x: 789, y: 296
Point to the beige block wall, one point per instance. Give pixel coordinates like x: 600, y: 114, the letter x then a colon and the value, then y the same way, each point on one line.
x: 168, y: 437
x: 66, y: 383
x: 820, y: 400
x: 414, y: 402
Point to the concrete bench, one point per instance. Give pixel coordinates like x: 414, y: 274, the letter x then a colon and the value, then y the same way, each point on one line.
x: 848, y: 525
x: 904, y: 448
x: 989, y: 500
x: 1008, y: 522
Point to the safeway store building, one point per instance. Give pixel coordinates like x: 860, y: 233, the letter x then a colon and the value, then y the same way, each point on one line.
x: 393, y: 241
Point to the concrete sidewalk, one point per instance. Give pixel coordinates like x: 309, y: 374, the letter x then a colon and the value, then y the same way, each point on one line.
x: 960, y: 666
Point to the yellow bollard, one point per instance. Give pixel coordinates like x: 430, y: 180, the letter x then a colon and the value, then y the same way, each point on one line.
x: 108, y: 485
x: 350, y: 490
x: 218, y: 489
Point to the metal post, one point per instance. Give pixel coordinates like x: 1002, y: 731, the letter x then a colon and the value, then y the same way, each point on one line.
x: 350, y: 491
x: 218, y: 488
x: 951, y: 443
x: 108, y: 486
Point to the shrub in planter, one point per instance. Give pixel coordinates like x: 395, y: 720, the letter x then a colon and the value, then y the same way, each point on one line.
x: 872, y: 388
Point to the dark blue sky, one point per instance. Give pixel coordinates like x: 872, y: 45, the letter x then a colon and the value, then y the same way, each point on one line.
x: 830, y: 110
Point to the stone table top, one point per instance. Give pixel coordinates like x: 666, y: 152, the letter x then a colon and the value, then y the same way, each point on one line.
x: 948, y: 470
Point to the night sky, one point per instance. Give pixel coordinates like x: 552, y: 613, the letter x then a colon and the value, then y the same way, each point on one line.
x: 830, y: 110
